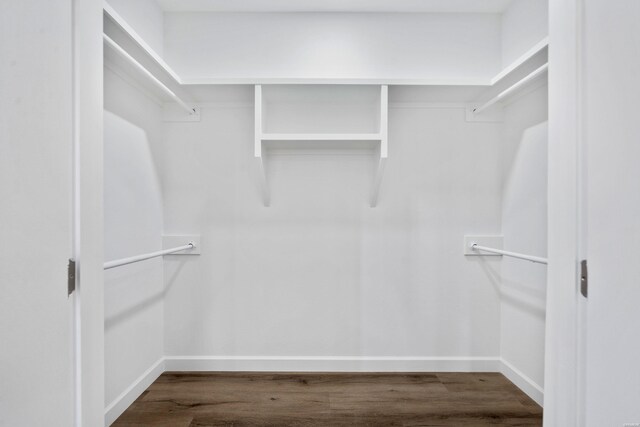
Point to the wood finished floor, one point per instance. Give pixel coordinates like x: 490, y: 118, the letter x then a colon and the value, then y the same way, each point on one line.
x: 331, y: 399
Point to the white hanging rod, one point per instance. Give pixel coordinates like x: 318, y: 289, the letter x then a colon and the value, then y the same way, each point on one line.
x: 511, y: 89
x: 476, y: 247
x: 115, y: 46
x: 137, y: 258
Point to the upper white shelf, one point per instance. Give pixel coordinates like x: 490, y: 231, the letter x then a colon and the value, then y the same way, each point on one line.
x: 513, y: 88
x: 514, y: 79
x: 536, y: 50
x: 159, y: 67
x: 192, y: 81
x: 112, y: 17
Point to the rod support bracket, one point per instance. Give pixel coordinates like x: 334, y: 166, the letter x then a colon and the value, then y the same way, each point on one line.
x: 172, y: 240
x: 475, y: 240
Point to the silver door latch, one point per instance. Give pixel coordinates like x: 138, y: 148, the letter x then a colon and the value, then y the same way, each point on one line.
x: 71, y: 276
x: 584, y: 278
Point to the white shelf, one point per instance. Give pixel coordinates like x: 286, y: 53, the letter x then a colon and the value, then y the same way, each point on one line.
x: 113, y: 16
x: 513, y: 89
x: 302, y: 139
x: 321, y: 137
x: 514, y: 79
x: 129, y: 56
x: 526, y: 57
x: 194, y: 81
x: 148, y: 54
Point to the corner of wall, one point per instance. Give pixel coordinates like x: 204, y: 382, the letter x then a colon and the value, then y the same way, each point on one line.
x: 523, y: 382
x: 131, y: 393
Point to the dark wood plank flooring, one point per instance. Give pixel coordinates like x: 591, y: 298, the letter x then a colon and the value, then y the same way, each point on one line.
x: 331, y: 399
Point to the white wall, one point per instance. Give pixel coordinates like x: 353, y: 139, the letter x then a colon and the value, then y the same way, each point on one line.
x: 134, y: 318
x: 320, y: 273
x: 333, y: 45
x: 611, y: 135
x: 524, y: 23
x: 524, y: 226
x: 146, y: 18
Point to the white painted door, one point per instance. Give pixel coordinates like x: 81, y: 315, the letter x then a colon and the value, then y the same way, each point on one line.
x: 592, y: 363
x: 36, y: 315
x: 611, y: 92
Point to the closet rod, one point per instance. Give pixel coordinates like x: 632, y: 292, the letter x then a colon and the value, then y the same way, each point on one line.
x: 511, y: 89
x: 476, y: 247
x: 137, y: 258
x: 115, y: 46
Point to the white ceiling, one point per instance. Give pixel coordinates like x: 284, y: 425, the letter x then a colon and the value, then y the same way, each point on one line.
x: 431, y: 6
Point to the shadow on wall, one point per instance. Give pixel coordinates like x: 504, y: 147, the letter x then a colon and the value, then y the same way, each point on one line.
x: 133, y: 219
x: 524, y: 222
x: 520, y: 283
x: 147, y: 302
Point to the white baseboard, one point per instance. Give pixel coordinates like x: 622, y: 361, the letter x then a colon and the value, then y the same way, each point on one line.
x: 127, y: 397
x: 332, y: 364
x: 523, y: 382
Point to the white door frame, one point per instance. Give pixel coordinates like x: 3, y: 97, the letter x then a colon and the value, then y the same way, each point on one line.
x: 564, y: 347
x: 88, y: 211
x: 563, y: 387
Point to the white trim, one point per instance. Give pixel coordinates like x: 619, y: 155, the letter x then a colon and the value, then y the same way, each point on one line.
x: 131, y: 393
x: 332, y: 364
x: 88, y: 113
x: 523, y: 382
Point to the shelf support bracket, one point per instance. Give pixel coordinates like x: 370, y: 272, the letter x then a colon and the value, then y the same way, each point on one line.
x: 384, y: 146
x: 266, y: 197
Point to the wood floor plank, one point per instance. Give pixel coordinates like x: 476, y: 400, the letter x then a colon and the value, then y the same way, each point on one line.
x: 237, y: 404
x: 332, y: 399
x: 137, y: 419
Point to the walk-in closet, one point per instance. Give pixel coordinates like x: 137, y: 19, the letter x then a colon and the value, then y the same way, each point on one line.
x: 332, y: 171
x: 319, y: 213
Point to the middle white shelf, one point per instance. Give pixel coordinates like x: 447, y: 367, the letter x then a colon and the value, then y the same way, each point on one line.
x: 321, y: 137
x: 309, y: 115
